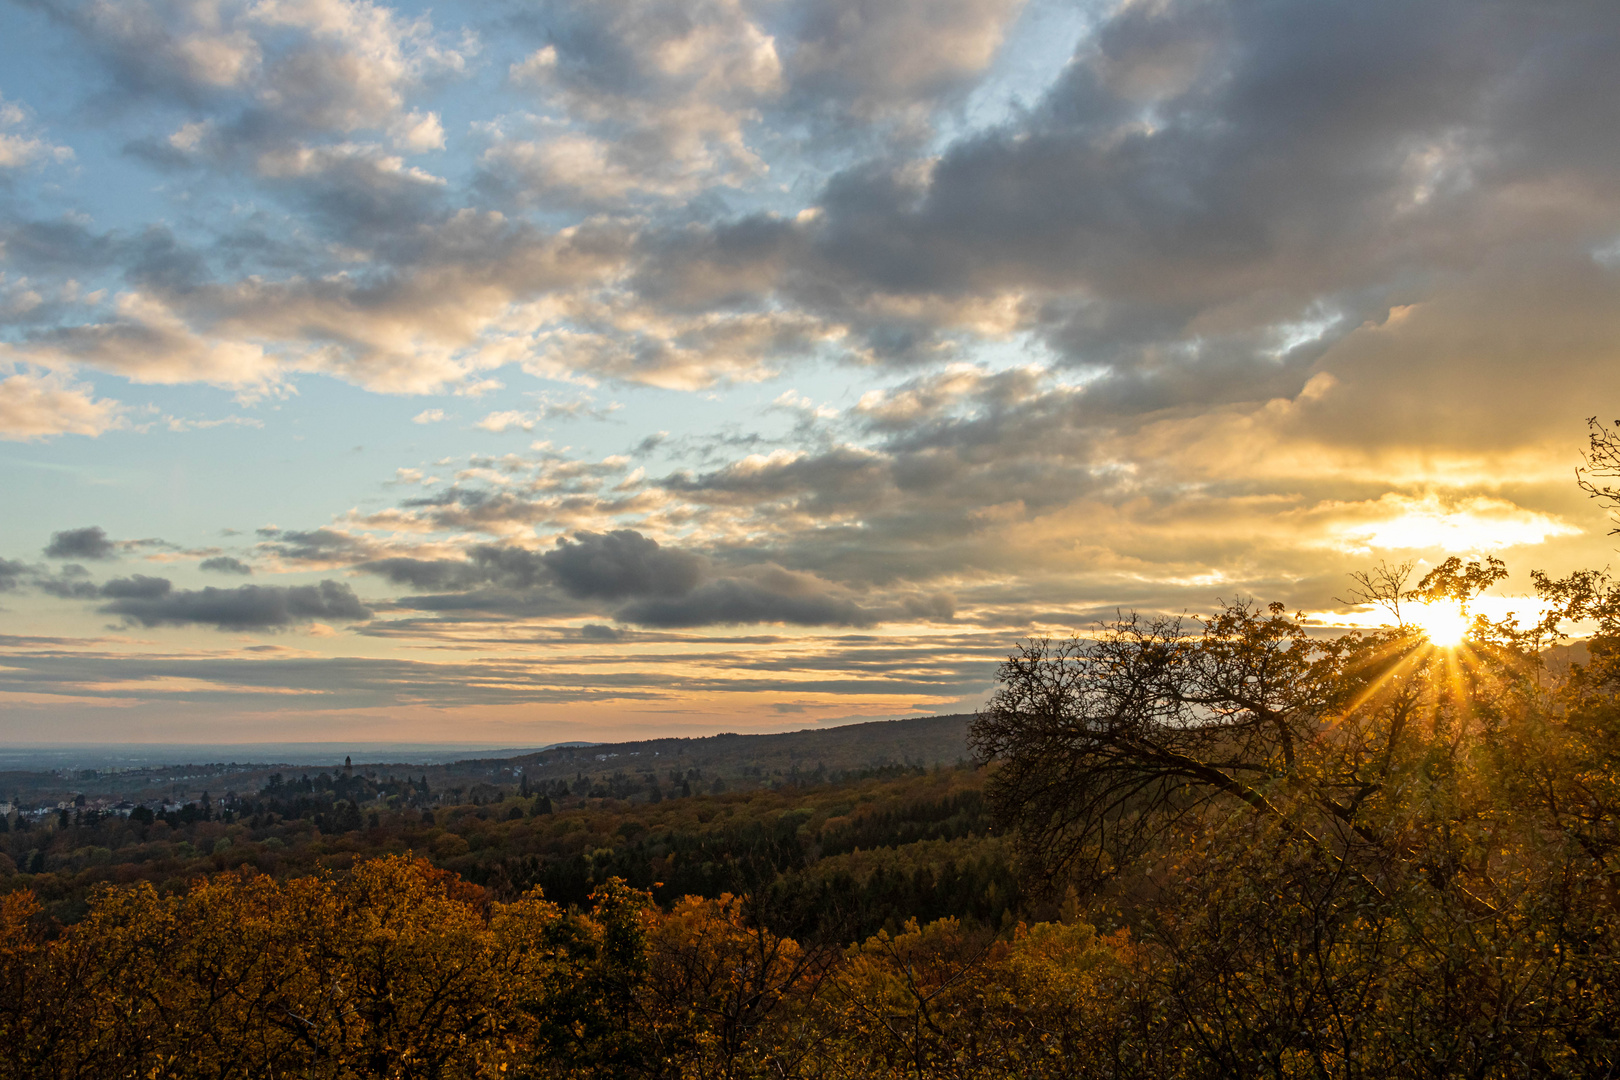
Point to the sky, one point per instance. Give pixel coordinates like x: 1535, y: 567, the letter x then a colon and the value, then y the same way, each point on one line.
x: 513, y: 373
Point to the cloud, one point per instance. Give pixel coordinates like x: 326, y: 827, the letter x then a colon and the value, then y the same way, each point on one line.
x: 624, y: 339
x: 1163, y: 213
x: 428, y: 416
x: 528, y: 420
x: 930, y: 398
x: 22, y: 148
x: 860, y: 61
x: 1217, y: 151
x: 905, y: 669
x: 639, y: 581
x: 39, y: 406
x: 464, y: 301
x: 66, y: 243
x: 841, y: 475
x: 428, y: 574
x: 321, y: 547
x: 146, y: 341
x: 646, y: 99
x: 771, y: 595
x: 138, y: 587
x: 89, y: 542
x: 288, y: 66
x: 591, y: 566
x: 507, y: 568
x: 150, y: 601
x: 12, y: 574
x: 225, y: 564
x: 620, y: 564
x: 1470, y: 525
x: 178, y: 424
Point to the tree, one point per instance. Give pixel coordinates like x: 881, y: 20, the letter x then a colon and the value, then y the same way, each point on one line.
x: 1363, y: 855
x: 1601, y: 463
x: 1103, y: 743
x: 722, y: 991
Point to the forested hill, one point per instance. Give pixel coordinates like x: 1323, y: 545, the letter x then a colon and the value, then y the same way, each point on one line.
x: 730, y: 758
x: 924, y: 740
x: 839, y: 833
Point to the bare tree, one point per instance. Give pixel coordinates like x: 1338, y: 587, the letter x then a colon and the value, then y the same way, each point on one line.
x: 1104, y: 743
x: 1602, y: 459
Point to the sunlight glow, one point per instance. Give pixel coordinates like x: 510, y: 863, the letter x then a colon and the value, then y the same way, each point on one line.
x: 1442, y: 622
x: 1399, y: 522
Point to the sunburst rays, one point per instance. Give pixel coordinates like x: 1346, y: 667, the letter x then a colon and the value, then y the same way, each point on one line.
x: 1444, y: 623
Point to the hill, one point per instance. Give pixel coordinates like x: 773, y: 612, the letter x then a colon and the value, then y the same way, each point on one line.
x: 923, y: 741
x: 730, y: 758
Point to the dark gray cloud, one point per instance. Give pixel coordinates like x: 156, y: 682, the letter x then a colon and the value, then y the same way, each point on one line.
x: 647, y: 445
x: 590, y: 566
x: 730, y: 264
x: 621, y: 564
x: 842, y: 475
x: 486, y: 604
x: 671, y: 588
x: 152, y: 601
x: 858, y: 64
x: 72, y: 582
x: 142, y: 45
x: 58, y: 245
x: 1169, y: 202
x: 89, y: 542
x: 312, y: 545
x: 364, y: 198
x: 774, y: 596
x: 136, y: 587
x: 225, y: 564
x: 432, y: 574
x: 638, y: 581
x: 13, y: 574
x: 509, y: 568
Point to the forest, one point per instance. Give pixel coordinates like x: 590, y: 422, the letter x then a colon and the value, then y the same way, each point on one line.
x: 838, y: 858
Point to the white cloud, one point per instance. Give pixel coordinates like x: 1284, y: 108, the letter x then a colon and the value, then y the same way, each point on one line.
x: 504, y: 421
x: 354, y: 66
x: 418, y: 132
x: 177, y: 423
x: 507, y: 420
x: 150, y: 342
x: 671, y: 120
x: 36, y: 406
x: 19, y: 148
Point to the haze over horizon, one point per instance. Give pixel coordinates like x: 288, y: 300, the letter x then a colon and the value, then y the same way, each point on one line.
x: 508, y: 374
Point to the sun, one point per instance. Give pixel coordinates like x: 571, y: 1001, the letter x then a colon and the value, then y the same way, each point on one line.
x: 1442, y: 622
